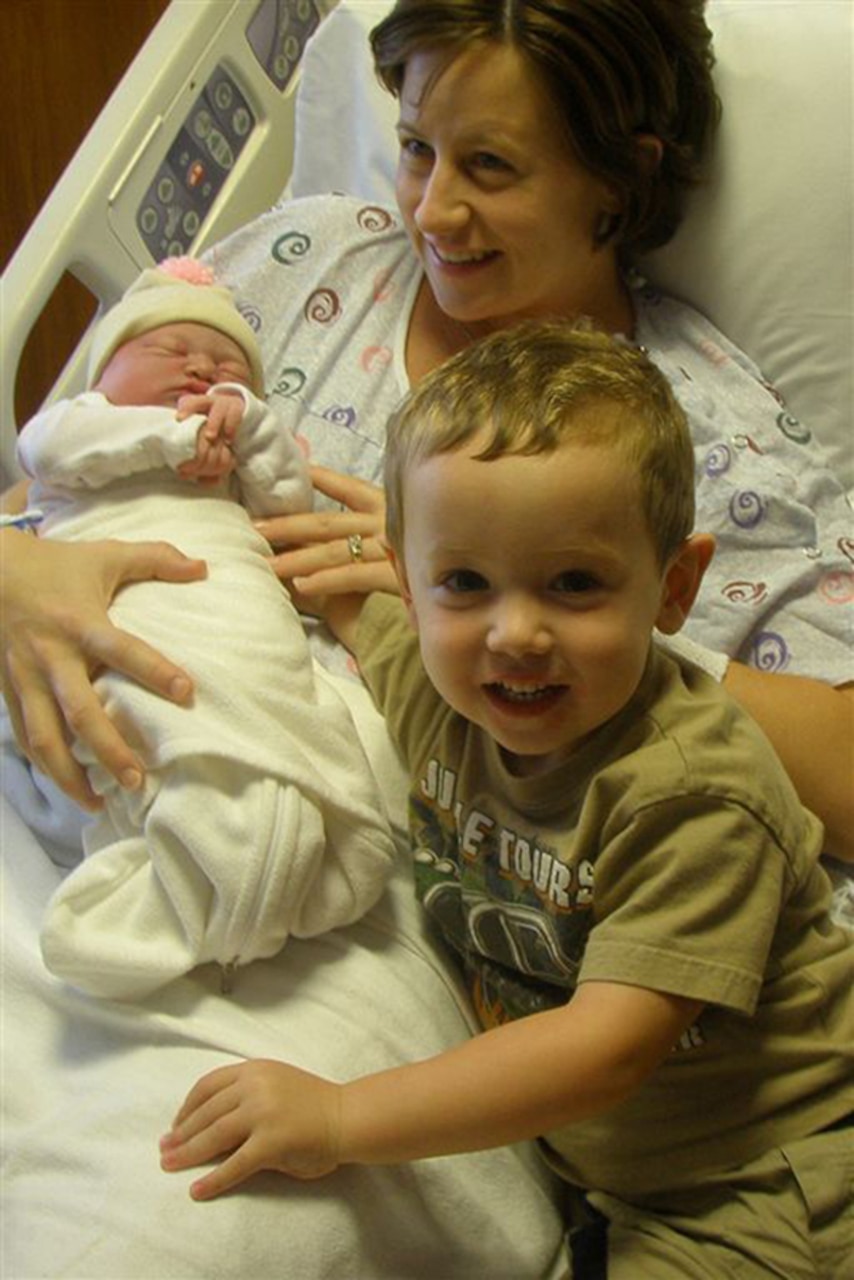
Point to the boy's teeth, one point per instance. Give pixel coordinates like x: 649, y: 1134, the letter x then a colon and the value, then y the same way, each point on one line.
x: 523, y: 692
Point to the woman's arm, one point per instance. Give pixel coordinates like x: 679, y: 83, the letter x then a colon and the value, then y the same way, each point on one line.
x: 56, y: 634
x: 14, y: 500
x: 517, y: 1081
x: 811, y: 727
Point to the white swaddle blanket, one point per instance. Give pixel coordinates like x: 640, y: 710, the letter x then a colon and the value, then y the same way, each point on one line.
x: 260, y: 818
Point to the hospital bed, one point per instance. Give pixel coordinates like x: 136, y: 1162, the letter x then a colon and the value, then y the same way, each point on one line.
x: 229, y: 103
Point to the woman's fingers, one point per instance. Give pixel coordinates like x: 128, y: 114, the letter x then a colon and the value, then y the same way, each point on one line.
x: 41, y: 732
x: 356, y: 549
x: 318, y: 528
x: 58, y: 633
x: 333, y: 552
x: 347, y: 579
x: 358, y: 495
x: 363, y: 513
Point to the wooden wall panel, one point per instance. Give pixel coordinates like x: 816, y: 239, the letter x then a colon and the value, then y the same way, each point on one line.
x: 63, y: 58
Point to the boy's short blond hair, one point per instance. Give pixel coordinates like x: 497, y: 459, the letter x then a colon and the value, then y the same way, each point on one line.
x: 530, y: 389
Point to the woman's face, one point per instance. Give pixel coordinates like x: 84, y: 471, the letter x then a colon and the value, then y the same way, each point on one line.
x: 501, y: 213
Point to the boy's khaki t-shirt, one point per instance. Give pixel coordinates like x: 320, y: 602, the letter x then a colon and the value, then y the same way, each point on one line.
x: 670, y: 852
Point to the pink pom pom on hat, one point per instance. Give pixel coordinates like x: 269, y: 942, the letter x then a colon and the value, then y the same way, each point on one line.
x: 188, y: 269
x: 176, y: 291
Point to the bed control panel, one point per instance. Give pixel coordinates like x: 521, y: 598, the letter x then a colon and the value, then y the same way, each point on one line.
x: 219, y: 124
x: 277, y: 35
x: 195, y: 167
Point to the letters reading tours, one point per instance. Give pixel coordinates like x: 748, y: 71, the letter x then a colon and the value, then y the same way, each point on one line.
x: 525, y: 860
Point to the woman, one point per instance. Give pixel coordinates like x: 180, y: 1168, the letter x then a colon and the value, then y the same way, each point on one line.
x: 541, y: 148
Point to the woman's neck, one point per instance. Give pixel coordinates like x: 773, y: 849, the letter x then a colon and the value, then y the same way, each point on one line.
x: 434, y: 336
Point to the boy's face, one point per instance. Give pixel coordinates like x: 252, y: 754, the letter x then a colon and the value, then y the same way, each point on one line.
x: 160, y: 366
x: 534, y: 586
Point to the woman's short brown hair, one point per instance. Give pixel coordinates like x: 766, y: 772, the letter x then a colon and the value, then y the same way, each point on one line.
x: 615, y: 69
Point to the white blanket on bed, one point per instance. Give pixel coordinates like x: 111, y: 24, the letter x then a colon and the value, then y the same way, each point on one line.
x: 89, y: 1085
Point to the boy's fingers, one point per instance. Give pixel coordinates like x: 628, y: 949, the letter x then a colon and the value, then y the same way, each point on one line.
x: 236, y: 1169
x: 202, y: 1091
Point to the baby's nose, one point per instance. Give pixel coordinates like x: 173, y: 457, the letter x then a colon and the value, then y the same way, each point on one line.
x: 201, y: 364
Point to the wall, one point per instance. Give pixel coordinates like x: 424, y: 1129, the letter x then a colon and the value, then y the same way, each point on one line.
x: 63, y: 59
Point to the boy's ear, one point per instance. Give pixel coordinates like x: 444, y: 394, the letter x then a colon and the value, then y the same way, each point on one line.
x: 682, y: 580
x: 403, y: 582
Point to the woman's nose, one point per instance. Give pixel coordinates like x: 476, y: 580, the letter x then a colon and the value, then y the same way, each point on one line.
x: 441, y: 208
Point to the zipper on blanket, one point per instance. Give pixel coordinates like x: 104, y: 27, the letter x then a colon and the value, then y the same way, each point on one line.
x: 227, y: 972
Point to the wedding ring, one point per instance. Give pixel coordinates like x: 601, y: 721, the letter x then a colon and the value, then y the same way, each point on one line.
x: 354, y: 546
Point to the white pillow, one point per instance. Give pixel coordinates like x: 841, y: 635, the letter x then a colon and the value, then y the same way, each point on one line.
x: 766, y: 247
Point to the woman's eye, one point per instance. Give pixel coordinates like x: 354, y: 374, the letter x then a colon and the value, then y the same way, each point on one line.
x: 463, y: 581
x: 575, y: 582
x: 489, y: 160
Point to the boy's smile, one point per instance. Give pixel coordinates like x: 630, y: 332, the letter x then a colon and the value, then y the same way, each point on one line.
x: 534, y: 585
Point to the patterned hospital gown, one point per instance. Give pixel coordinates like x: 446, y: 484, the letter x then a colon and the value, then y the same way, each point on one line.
x: 328, y: 282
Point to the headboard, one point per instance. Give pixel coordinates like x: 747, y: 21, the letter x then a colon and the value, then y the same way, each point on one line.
x: 765, y: 251
x: 766, y: 248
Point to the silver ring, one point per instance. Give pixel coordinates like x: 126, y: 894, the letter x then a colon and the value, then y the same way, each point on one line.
x: 355, y: 547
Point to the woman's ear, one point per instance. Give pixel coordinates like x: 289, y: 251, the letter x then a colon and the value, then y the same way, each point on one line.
x: 650, y: 151
x: 682, y: 579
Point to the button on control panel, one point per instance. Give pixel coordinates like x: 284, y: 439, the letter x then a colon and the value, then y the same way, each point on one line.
x: 277, y: 35
x: 195, y: 168
x: 218, y: 126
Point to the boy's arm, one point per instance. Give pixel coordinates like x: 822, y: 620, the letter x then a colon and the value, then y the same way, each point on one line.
x: 512, y: 1083
x: 340, y: 613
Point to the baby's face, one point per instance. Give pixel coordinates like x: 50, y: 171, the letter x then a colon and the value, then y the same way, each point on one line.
x: 160, y: 366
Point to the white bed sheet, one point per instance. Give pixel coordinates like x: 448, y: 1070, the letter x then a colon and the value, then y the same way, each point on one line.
x: 89, y: 1086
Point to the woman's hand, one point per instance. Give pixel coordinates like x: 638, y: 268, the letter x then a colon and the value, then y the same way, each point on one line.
x: 56, y: 635
x: 260, y: 1115
x: 334, y: 552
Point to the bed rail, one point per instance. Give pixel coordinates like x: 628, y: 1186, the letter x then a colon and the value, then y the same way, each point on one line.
x: 196, y: 139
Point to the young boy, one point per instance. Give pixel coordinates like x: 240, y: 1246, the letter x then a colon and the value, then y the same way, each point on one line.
x: 259, y: 817
x: 605, y: 840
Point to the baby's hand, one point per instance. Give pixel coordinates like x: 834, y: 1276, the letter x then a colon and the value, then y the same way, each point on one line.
x: 214, y: 443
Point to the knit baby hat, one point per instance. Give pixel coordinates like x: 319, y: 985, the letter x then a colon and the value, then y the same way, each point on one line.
x: 176, y: 291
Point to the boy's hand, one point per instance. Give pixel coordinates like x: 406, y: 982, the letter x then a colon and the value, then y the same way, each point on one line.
x: 214, y: 443
x: 261, y: 1115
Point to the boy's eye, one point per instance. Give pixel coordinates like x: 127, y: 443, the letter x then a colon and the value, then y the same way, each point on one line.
x: 414, y: 148
x: 575, y: 581
x: 463, y: 581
